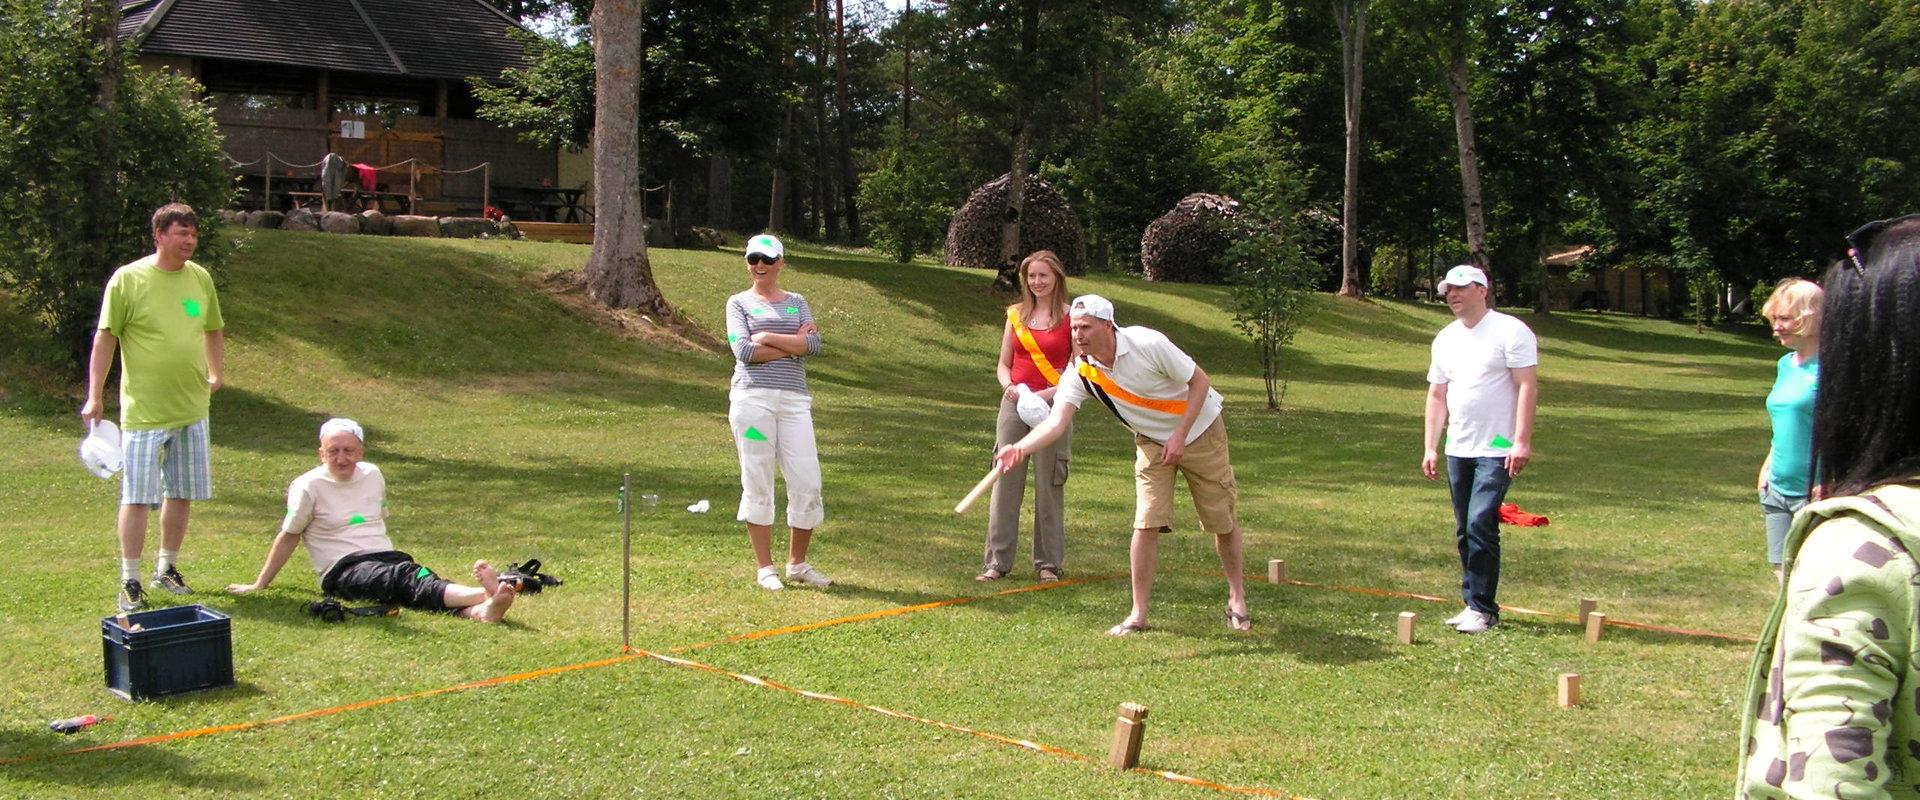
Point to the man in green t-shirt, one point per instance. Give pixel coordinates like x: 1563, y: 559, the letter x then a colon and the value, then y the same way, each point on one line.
x: 162, y: 314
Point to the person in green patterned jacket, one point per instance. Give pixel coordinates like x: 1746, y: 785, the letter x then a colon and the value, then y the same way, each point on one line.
x: 1832, y: 705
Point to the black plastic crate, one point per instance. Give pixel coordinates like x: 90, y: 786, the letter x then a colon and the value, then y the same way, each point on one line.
x: 179, y: 649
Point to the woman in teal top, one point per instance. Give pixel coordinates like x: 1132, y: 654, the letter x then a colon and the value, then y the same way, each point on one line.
x: 1830, y: 708
x: 1794, y: 312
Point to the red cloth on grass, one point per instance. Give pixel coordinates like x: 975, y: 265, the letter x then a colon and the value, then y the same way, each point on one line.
x: 1510, y: 514
x: 369, y: 177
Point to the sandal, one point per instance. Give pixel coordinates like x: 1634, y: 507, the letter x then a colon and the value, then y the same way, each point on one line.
x: 1049, y: 575
x: 1128, y: 628
x: 990, y: 574
x: 1237, y: 621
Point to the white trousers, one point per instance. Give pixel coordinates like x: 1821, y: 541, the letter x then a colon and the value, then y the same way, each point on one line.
x: 776, y: 426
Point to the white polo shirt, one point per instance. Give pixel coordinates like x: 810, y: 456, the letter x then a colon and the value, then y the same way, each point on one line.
x: 1476, y: 364
x: 1145, y: 364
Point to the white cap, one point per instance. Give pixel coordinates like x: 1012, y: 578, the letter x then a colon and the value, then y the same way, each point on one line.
x: 100, y: 450
x: 1091, y: 305
x: 1463, y: 275
x: 343, y: 424
x: 766, y: 245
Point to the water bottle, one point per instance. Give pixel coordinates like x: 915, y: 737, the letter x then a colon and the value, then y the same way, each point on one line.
x: 75, y: 724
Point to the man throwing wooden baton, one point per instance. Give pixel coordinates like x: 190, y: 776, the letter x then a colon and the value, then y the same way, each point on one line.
x: 1168, y: 402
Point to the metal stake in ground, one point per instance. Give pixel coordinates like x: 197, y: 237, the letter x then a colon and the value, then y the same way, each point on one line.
x: 626, y: 562
x: 1128, y: 729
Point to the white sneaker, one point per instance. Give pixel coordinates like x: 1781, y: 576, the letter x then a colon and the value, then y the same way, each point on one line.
x: 805, y: 573
x: 769, y: 579
x: 1455, y: 620
x: 1476, y: 622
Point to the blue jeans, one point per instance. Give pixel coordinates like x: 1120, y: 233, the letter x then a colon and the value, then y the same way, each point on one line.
x: 1779, y: 510
x: 1479, y: 486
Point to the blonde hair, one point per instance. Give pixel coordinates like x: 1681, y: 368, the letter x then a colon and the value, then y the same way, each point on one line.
x: 1797, y: 299
x: 1028, y: 302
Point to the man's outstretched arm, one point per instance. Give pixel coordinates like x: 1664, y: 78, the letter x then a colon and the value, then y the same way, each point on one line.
x: 277, y: 555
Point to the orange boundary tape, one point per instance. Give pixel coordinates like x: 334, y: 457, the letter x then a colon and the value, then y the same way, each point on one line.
x: 538, y: 673
x: 1023, y: 744
x: 1611, y: 622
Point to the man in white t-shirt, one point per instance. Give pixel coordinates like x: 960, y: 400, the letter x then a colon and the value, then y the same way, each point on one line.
x: 340, y: 510
x: 1167, y: 400
x: 1481, y: 390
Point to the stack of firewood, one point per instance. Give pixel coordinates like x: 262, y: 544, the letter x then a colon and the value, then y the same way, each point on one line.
x: 973, y: 238
x: 1189, y: 243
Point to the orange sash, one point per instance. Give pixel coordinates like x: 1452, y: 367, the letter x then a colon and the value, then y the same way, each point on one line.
x: 1100, y: 379
x: 1033, y: 347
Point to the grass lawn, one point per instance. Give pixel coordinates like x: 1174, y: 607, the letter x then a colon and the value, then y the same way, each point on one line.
x: 504, y: 422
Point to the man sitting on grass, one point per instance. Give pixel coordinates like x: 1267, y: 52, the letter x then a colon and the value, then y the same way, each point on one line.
x: 339, y: 508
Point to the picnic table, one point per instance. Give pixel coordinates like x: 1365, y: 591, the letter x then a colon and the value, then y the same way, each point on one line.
x: 545, y: 203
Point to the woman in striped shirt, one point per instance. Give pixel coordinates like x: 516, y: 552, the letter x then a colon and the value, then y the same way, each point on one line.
x: 771, y: 331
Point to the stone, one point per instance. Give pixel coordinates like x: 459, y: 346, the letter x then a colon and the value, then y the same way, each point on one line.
x: 411, y: 225
x: 265, y: 219
x: 374, y: 223
x: 339, y: 222
x: 466, y: 227
x: 300, y: 219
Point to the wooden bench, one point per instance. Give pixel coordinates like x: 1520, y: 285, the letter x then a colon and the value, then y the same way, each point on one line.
x: 575, y: 232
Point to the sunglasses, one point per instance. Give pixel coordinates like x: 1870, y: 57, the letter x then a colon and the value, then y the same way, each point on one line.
x: 1861, y: 237
x: 756, y: 259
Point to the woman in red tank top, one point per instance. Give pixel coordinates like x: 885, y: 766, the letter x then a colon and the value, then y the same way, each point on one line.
x: 1035, y: 347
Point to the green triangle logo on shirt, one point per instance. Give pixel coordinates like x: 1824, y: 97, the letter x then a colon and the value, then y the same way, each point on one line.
x: 356, y: 520
x: 793, y: 309
x: 192, y: 307
x: 732, y: 337
x: 754, y: 435
x: 1501, y: 441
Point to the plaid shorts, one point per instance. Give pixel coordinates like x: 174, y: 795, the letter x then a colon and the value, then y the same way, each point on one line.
x: 175, y: 457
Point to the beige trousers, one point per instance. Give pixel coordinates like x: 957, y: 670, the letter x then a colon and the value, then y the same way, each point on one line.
x: 1049, y: 492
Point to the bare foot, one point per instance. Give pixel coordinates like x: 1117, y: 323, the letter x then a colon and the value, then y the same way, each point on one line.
x: 488, y: 576
x: 494, y: 608
x: 1129, y: 626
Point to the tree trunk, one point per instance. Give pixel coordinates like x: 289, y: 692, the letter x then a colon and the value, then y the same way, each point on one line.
x: 1008, y: 278
x: 1458, y: 84
x: 617, y: 274
x: 1352, y: 16
x: 822, y: 194
x: 719, y: 192
x: 777, y: 204
x: 849, y: 180
x: 1543, y: 298
x: 906, y: 73
x: 1101, y: 247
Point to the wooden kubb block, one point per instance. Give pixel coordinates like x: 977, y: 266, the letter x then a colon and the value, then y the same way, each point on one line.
x: 1587, y: 607
x: 1407, y: 619
x: 1277, y: 571
x: 1569, y: 690
x: 1596, y: 622
x: 1128, y: 731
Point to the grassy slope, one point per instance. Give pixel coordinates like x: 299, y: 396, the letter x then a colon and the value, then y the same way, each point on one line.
x: 504, y: 423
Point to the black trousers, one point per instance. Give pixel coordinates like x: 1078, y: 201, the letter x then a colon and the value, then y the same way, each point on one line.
x: 389, y: 577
